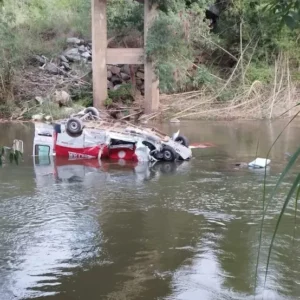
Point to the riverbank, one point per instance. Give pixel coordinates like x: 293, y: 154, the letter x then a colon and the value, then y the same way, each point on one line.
x: 193, y: 105
x: 53, y: 89
x: 50, y: 89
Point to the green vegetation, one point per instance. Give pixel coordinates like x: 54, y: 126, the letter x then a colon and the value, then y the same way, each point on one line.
x: 249, y: 53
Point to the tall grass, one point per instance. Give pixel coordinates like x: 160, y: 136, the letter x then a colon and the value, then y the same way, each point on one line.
x: 37, y: 27
x: 293, y: 191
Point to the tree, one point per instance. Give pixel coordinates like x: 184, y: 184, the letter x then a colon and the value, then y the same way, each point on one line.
x: 286, y: 11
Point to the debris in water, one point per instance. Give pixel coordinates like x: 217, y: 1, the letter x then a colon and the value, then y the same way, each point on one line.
x: 201, y: 145
x: 259, y: 163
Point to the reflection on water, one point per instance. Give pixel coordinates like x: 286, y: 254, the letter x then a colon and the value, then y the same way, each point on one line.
x: 94, y: 172
x: 96, y: 230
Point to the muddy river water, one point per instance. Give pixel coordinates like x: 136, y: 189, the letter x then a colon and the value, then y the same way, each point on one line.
x: 185, y: 232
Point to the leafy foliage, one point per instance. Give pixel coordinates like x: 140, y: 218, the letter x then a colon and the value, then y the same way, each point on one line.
x: 122, y: 94
x: 286, y: 12
x: 179, y: 35
x: 171, y: 44
x: 124, y: 16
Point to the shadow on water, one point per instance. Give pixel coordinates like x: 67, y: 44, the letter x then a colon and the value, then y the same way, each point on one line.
x: 98, y: 230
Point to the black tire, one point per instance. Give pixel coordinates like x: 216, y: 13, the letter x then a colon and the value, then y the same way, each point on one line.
x: 158, y: 155
x: 93, y: 111
x: 169, y: 153
x: 182, y: 140
x: 74, y: 126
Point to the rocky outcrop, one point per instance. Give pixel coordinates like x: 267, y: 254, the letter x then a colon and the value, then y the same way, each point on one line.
x: 80, y: 52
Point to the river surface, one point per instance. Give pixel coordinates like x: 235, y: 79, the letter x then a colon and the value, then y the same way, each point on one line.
x: 189, y: 231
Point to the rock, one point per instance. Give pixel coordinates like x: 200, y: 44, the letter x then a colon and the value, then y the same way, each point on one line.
x: 66, y: 66
x: 139, y: 82
x: 37, y: 117
x: 110, y: 85
x: 73, y: 40
x: 125, y: 69
x: 125, y: 76
x: 86, y: 55
x: 81, y: 48
x: 73, y: 54
x: 116, y: 87
x: 63, y: 58
x: 140, y: 75
x: 48, y: 118
x: 40, y: 59
x: 115, y: 70
x: 62, y: 98
x: 52, y: 69
x: 39, y: 100
x: 109, y: 74
x: 115, y: 80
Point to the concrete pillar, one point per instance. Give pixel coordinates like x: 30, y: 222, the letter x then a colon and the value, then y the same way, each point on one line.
x: 151, y: 82
x: 99, y: 41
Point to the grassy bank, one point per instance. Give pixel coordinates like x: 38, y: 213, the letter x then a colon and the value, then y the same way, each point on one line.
x: 243, y: 68
x: 256, y: 100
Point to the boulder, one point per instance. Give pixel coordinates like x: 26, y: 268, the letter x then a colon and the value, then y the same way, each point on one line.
x: 73, y: 54
x: 86, y: 55
x: 52, y: 69
x: 140, y: 75
x: 66, y: 66
x: 125, y: 69
x: 110, y: 85
x: 125, y: 76
x: 73, y: 40
x: 115, y: 80
x: 62, y: 98
x: 139, y: 82
x: 63, y: 58
x: 81, y: 48
x: 115, y: 70
x: 42, y: 60
x: 109, y: 74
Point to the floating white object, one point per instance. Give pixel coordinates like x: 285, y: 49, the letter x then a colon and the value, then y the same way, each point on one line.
x: 259, y: 163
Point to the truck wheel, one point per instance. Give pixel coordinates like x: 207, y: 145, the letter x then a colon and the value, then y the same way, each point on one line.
x: 74, y: 126
x: 169, y: 153
x: 182, y: 140
x: 158, y: 155
x: 93, y: 111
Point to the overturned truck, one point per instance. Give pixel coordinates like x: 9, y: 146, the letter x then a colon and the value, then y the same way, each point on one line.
x: 90, y: 134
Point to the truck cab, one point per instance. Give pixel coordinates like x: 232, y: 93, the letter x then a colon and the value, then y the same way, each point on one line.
x: 44, y: 140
